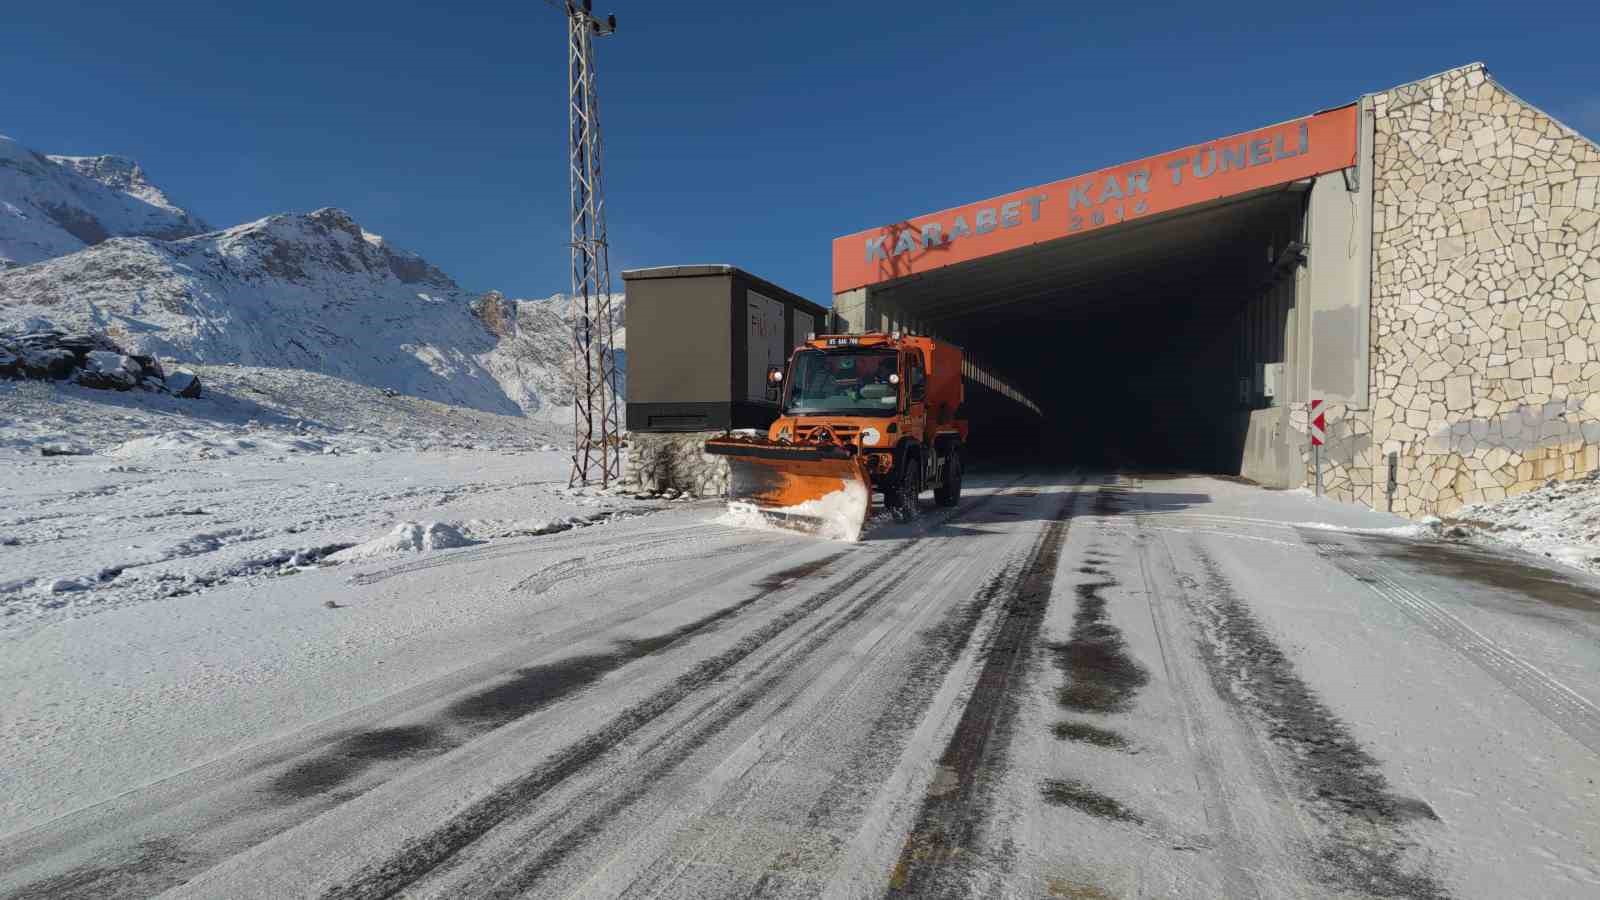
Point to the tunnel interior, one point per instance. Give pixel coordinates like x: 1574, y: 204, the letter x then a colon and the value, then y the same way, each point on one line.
x: 1142, y: 344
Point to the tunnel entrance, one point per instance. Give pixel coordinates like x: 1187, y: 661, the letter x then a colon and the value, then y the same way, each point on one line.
x: 1145, y: 346
x: 1159, y: 313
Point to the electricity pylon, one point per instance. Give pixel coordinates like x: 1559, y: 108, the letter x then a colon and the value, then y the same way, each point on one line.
x: 597, y: 437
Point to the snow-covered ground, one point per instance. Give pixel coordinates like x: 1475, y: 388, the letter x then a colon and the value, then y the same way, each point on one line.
x: 146, y: 498
x: 1075, y: 684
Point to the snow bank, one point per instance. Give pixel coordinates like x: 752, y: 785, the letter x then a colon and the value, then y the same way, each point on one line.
x: 1426, y: 527
x: 406, y: 538
x: 1560, y: 520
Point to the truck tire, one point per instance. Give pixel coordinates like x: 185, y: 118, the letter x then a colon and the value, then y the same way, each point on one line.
x: 902, y: 502
x: 949, y: 492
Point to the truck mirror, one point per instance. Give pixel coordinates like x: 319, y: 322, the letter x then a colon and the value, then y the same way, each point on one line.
x: 774, y: 383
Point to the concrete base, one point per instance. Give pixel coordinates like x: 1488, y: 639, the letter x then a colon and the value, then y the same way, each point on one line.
x: 1271, y: 455
x: 659, y: 461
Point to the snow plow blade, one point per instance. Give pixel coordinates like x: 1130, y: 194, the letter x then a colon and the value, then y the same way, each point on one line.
x: 821, y: 489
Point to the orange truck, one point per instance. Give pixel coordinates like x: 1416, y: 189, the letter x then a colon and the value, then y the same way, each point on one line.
x: 860, y: 413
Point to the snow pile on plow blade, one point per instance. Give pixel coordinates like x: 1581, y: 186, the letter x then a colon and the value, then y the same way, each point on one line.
x: 821, y: 489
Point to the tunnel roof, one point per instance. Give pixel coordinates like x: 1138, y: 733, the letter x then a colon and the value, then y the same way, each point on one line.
x: 1190, y: 177
x: 1150, y: 261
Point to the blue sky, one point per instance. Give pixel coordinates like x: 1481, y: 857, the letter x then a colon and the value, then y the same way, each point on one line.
x: 744, y: 133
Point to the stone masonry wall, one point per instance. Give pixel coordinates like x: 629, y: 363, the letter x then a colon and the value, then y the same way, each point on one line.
x: 676, y: 461
x: 1485, y: 298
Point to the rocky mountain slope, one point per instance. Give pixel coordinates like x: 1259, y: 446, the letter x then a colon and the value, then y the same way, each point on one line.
x: 526, y: 361
x: 53, y: 205
x: 309, y: 292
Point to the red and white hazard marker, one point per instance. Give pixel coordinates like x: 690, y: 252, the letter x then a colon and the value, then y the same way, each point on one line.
x: 1319, y: 424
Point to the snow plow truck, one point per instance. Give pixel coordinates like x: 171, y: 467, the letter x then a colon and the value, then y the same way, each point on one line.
x: 860, y: 413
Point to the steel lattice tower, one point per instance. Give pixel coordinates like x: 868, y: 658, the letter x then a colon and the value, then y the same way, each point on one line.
x: 597, y: 443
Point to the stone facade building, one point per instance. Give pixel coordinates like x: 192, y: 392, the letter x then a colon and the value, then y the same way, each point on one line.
x: 1485, y: 364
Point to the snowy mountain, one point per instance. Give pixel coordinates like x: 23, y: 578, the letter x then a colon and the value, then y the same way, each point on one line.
x: 53, y: 205
x: 312, y: 292
x: 106, y: 251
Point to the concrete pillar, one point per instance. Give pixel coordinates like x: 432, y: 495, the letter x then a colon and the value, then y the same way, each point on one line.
x: 1340, y: 292
x: 858, y: 311
x: 850, y: 310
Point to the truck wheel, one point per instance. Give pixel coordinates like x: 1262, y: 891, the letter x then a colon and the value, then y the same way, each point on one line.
x: 949, y: 492
x: 903, y: 503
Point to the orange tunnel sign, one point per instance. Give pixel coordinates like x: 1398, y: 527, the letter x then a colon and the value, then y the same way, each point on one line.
x: 1301, y: 148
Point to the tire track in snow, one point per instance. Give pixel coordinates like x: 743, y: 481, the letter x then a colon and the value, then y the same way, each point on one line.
x: 1360, y: 845
x: 688, y: 851
x: 1101, y: 676
x: 441, y: 850
x: 554, y: 574
x: 945, y: 839
x: 424, y: 856
x: 1561, y: 705
x: 522, y: 548
x: 346, y: 763
x: 1245, y: 859
x: 681, y: 746
x: 529, y: 690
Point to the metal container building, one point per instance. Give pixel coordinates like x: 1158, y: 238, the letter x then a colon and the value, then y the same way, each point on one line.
x: 701, y: 340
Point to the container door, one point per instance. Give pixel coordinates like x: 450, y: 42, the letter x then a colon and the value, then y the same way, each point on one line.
x: 804, y: 324
x: 763, y: 342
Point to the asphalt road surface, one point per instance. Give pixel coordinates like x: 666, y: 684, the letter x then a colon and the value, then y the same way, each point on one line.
x: 1078, y: 684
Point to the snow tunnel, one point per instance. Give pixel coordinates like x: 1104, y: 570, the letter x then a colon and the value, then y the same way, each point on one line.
x: 1149, y: 315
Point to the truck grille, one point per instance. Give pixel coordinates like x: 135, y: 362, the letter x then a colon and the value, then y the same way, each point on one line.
x: 845, y: 433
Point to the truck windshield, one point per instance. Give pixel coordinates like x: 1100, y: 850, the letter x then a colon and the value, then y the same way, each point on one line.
x: 850, y: 381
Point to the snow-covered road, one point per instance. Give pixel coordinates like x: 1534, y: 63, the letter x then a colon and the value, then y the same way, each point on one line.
x: 1074, y: 684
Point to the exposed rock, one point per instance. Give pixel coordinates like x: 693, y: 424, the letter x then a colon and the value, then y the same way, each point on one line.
x: 53, y: 364
x: 80, y: 344
x: 149, y: 366
x: 92, y: 360
x: 184, y: 383
x: 108, y: 370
